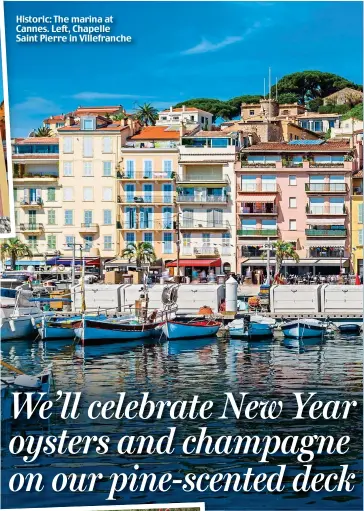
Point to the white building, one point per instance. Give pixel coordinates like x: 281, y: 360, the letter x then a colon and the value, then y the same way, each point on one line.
x: 206, y: 201
x: 347, y: 128
x: 185, y: 115
x: 318, y: 123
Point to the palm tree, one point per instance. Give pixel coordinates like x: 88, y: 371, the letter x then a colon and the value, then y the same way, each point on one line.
x: 141, y: 252
x: 14, y: 249
x: 119, y: 117
x: 43, y: 132
x: 284, y: 250
x: 147, y: 114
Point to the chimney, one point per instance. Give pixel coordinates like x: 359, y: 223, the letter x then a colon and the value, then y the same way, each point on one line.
x: 171, y: 109
x: 69, y: 120
x: 182, y: 129
x: 183, y: 108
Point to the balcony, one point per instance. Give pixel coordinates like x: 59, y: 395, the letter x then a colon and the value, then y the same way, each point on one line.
x: 89, y: 228
x: 258, y: 188
x: 326, y: 233
x: 222, y: 180
x: 257, y: 165
x: 321, y: 188
x: 268, y: 209
x: 203, y: 198
x: 142, y: 226
x: 326, y: 210
x: 145, y: 176
x: 146, y: 199
x: 273, y: 233
x: 31, y: 204
x: 32, y: 227
x: 35, y: 178
x: 205, y: 225
x: 206, y: 251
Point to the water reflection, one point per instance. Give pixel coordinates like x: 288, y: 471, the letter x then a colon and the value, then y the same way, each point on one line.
x: 178, y: 370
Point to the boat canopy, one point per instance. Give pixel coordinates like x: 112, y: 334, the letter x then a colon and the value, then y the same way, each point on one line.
x: 195, y: 263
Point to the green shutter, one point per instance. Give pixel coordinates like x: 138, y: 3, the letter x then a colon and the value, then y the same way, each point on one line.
x: 51, y: 242
x: 51, y: 197
x: 51, y: 217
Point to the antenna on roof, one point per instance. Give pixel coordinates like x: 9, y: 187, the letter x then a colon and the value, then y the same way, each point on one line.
x: 269, y: 91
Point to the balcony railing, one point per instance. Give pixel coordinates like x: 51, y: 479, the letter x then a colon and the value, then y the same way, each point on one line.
x: 186, y: 250
x: 327, y: 165
x: 203, y: 178
x: 144, y: 176
x: 324, y: 210
x: 205, y: 224
x: 26, y: 203
x: 326, y: 232
x: 271, y: 164
x: 207, y: 250
x: 202, y: 198
x: 32, y: 227
x: 258, y: 232
x: 265, y: 209
x: 145, y: 199
x: 258, y: 187
x: 326, y: 187
x: 89, y: 228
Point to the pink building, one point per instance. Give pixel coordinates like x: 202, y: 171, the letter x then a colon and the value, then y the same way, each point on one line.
x: 297, y: 192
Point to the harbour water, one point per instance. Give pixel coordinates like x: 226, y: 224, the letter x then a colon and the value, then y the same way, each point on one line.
x: 177, y: 370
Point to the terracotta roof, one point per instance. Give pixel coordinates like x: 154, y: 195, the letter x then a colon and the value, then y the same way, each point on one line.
x: 156, y: 133
x: 37, y: 156
x: 97, y: 109
x: 187, y: 109
x: 114, y: 126
x: 307, y: 115
x: 37, y: 140
x: 347, y: 90
x: 210, y: 134
x: 335, y: 145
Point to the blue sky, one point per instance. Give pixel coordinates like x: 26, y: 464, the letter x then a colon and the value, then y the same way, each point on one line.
x: 180, y: 50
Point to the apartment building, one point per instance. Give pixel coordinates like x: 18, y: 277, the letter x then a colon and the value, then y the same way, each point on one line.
x: 37, y: 194
x: 89, y: 158
x: 297, y: 192
x: 357, y: 209
x: 55, y: 122
x: 205, y: 198
x: 146, y: 190
x: 185, y: 115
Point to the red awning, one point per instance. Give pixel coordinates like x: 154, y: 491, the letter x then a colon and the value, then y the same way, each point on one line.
x: 211, y: 263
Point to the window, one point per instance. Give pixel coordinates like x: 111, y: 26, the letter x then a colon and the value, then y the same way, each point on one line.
x: 107, y: 242
x: 269, y: 183
x: 87, y: 169
x: 266, y: 159
x: 285, y: 112
x: 305, y: 124
x: 148, y: 237
x: 130, y: 168
x: 87, y: 124
x: 167, y: 168
x: 68, y: 217
x: 51, y: 217
x: 249, y: 184
x: 147, y: 168
x: 251, y: 112
x: 107, y: 194
x: 87, y: 147
x: 87, y: 217
x: 206, y: 238
x: 16, y: 217
x: 107, y: 145
x: 88, y: 242
x: 59, y: 124
x: 331, y: 124
x: 148, y: 193
x: 292, y: 202
x: 167, y: 243
x: 106, y: 168
x: 107, y: 217
x: 88, y: 193
x: 15, y: 194
x: 69, y: 241
x: 130, y: 238
x: 130, y: 218
x: 67, y: 145
x: 68, y: 193
x: 361, y: 238
x: 32, y: 242
x: 167, y: 193
x: 202, y: 119
x: 292, y: 180
x: 318, y: 126
x: 226, y: 243
x: 146, y: 218
x: 67, y: 168
x: 51, y: 242
x: 167, y: 218
x: 360, y: 214
x: 292, y: 225
x: 51, y: 194
x: 337, y: 205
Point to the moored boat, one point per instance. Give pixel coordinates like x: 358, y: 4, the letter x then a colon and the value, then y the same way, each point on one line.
x: 256, y: 327
x: 349, y: 328
x: 192, y: 330
x: 302, y: 328
x: 116, y: 329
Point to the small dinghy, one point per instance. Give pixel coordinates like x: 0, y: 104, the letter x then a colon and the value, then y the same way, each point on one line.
x: 302, y: 328
x: 256, y: 327
x: 61, y: 327
x: 349, y: 328
x: 191, y: 330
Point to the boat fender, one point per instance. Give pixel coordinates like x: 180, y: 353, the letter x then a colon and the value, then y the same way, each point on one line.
x: 32, y: 320
x: 12, y: 325
x: 24, y: 380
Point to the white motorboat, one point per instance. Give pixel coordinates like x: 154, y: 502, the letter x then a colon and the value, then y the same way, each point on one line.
x: 19, y: 316
x: 302, y: 328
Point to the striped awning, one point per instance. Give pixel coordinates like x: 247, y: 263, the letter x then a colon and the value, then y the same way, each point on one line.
x: 325, y: 243
x: 258, y: 198
x: 326, y: 221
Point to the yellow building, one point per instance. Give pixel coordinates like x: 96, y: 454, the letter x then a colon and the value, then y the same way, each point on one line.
x: 146, y: 208
x: 4, y: 189
x: 357, y: 218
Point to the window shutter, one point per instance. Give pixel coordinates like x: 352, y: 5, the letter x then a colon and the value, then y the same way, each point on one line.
x: 87, y: 146
x: 360, y: 214
x: 67, y: 145
x: 107, y: 145
x: 26, y: 195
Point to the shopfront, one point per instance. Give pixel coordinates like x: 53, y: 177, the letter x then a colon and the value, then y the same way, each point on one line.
x: 198, y: 270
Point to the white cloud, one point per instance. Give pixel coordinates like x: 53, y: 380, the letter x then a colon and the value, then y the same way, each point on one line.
x: 36, y: 105
x: 206, y: 46
x: 106, y: 95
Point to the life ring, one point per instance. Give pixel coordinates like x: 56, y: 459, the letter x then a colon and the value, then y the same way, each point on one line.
x: 61, y: 267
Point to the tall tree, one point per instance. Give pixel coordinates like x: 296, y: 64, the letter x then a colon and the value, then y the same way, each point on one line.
x: 142, y: 253
x: 283, y: 250
x: 14, y: 249
x: 43, y: 132
x: 147, y: 114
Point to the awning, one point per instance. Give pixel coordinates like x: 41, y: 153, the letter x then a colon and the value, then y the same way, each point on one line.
x: 326, y: 221
x: 326, y: 261
x: 211, y: 263
x: 30, y: 262
x: 302, y: 262
x: 89, y: 261
x: 256, y: 261
x: 258, y: 198
x: 253, y: 242
x: 325, y: 243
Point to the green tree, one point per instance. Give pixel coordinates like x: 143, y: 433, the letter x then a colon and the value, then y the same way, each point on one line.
x: 315, y: 104
x: 141, y: 252
x: 119, y: 117
x: 283, y: 250
x: 309, y: 85
x: 147, y: 114
x: 356, y: 113
x: 334, y: 109
x: 288, y: 98
x: 43, y: 132
x: 14, y: 249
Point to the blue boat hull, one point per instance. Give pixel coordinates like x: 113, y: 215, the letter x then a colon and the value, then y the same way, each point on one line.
x: 297, y: 330
x: 188, y: 331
